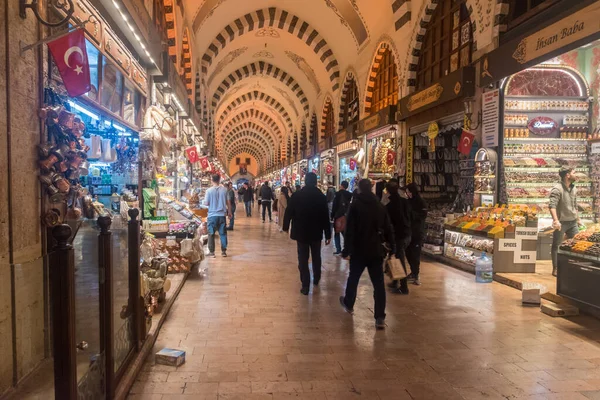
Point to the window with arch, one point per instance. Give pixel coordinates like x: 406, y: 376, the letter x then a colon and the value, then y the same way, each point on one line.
x: 385, y: 90
x: 447, y: 44
x: 350, y: 107
x: 328, y: 123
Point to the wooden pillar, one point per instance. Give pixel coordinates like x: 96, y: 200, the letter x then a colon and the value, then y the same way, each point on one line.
x: 62, y: 290
x: 106, y: 302
x: 136, y: 303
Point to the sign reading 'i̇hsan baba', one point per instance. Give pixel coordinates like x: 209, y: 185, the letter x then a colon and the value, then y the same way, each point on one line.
x: 577, y: 26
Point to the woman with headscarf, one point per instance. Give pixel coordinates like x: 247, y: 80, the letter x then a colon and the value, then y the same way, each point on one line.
x: 284, y: 197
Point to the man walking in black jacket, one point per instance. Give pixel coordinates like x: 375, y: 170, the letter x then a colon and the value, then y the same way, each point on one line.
x: 247, y: 194
x: 308, y: 212
x: 266, y: 194
x: 367, y: 229
x: 341, y: 203
x: 399, y: 211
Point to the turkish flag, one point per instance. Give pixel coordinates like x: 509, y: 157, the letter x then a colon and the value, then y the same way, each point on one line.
x: 192, y: 154
x: 204, y: 163
x: 329, y: 169
x: 466, y: 142
x: 71, y: 58
x: 391, y: 157
x: 352, y: 164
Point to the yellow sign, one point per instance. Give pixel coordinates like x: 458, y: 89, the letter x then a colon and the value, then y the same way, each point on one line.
x: 410, y: 149
x: 425, y: 97
x: 432, y: 132
x: 577, y: 26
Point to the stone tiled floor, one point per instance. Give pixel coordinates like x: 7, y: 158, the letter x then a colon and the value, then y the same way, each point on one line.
x: 249, y: 334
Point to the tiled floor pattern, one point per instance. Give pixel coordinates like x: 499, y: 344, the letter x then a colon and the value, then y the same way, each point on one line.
x: 250, y: 335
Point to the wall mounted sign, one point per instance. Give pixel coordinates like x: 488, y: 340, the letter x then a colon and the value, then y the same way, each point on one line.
x: 384, y: 117
x: 425, y: 97
x: 490, y: 118
x: 543, y: 126
x: 569, y: 33
x: 460, y: 83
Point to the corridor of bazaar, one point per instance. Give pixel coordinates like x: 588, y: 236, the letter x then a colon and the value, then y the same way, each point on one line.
x: 133, y: 131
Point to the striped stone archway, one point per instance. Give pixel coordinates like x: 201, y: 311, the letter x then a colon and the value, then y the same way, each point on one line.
x: 267, y: 20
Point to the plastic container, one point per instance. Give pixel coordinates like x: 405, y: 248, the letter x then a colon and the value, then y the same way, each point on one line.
x: 484, y: 269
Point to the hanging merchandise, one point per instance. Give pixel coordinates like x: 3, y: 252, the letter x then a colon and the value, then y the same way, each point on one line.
x: 160, y: 129
x: 432, y: 132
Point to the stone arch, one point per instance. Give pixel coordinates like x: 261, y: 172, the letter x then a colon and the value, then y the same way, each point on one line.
x: 169, y: 6
x: 248, y: 137
x: 303, y: 137
x: 408, y: 78
x: 384, y: 45
x: 328, y: 106
x: 258, y: 96
x: 314, y: 130
x: 186, y: 62
x: 253, y: 114
x: 350, y: 76
x: 264, y: 69
x: 269, y: 19
x: 253, y: 127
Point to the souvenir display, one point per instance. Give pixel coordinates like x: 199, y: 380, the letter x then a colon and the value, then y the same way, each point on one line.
x: 381, y: 151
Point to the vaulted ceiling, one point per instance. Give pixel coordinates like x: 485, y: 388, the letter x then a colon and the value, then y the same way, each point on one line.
x: 266, y: 66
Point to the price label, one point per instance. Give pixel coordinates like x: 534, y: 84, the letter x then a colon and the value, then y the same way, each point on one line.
x: 509, y: 245
x: 525, y: 257
x: 171, y: 237
x: 526, y: 233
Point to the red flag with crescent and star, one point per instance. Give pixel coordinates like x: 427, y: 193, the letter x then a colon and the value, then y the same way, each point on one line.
x: 204, y: 163
x: 391, y: 157
x: 71, y: 58
x: 352, y: 164
x: 466, y: 142
x: 192, y: 154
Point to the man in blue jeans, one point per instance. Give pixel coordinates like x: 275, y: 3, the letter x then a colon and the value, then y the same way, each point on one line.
x: 248, y: 197
x: 218, y: 208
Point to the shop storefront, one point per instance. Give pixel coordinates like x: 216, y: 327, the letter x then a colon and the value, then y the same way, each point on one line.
x: 547, y: 90
x: 327, y: 163
x: 350, y: 157
x: 434, y: 120
x: 380, y: 131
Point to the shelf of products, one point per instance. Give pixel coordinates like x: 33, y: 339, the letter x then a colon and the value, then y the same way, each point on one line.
x: 377, y: 154
x: 585, y: 244
x: 469, y: 242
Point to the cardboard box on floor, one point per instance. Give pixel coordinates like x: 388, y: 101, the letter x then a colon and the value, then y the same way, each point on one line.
x: 559, y: 310
x: 172, y: 357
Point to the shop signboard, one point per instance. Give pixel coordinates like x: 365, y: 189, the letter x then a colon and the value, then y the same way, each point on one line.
x: 595, y: 148
x: 345, y: 135
x: 491, y: 118
x: 386, y: 116
x: 569, y: 33
x: 410, y: 149
x: 324, y: 145
x: 460, y: 83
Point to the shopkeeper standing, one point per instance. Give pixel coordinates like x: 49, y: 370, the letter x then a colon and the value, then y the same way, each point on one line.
x: 563, y: 208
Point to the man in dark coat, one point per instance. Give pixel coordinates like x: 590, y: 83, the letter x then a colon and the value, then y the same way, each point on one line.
x: 247, y: 194
x: 341, y: 203
x: 367, y: 229
x: 399, y: 211
x: 267, y: 196
x: 308, y: 212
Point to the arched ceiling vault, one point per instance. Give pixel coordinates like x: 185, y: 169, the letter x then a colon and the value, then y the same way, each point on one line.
x: 257, y: 116
x: 250, y: 140
x: 256, y: 97
x: 267, y: 65
x: 247, y: 127
x: 260, y: 158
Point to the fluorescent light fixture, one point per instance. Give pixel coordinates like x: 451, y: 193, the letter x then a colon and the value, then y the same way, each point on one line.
x: 83, y: 110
